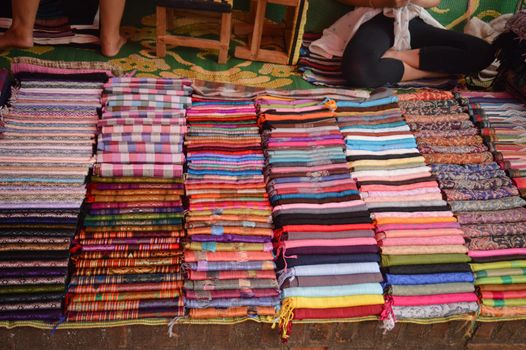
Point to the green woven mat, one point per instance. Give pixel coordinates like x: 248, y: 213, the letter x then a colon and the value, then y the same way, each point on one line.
x: 451, y: 13
x: 138, y: 54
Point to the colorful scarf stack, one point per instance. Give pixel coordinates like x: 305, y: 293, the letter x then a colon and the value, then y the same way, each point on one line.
x: 46, y: 150
x: 502, y: 120
x: 482, y: 197
x: 423, y: 252
x: 228, y: 258
x: 60, y: 22
x: 128, y: 261
x: 319, y: 70
x: 496, y: 233
x: 327, y: 254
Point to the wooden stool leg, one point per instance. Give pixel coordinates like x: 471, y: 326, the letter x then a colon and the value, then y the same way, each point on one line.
x: 170, y: 19
x: 224, y: 39
x: 258, y: 28
x: 161, y: 31
x: 252, y: 10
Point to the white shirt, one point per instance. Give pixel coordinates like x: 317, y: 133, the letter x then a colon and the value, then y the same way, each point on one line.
x: 336, y: 37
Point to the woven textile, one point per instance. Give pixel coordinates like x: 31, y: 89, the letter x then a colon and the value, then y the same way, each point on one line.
x: 420, y: 240
x: 46, y: 148
x: 229, y: 256
x: 497, y: 239
x: 323, y: 232
x: 128, y: 254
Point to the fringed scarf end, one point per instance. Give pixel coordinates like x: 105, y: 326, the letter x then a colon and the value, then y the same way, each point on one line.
x: 60, y: 321
x: 171, y: 325
x: 387, y: 315
x: 286, y: 315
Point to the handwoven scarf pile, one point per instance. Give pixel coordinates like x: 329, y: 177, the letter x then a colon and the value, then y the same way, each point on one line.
x: 497, y: 240
x: 127, y: 255
x: 484, y: 200
x: 46, y: 150
x: 232, y: 92
x: 59, y: 23
x: 327, y: 255
x: 501, y: 118
x: 423, y: 252
x: 228, y: 258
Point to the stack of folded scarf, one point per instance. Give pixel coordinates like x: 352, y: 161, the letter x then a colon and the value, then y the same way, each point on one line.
x: 128, y: 257
x: 231, y: 92
x: 46, y: 150
x: 228, y: 256
x: 61, y: 23
x: 497, y: 231
x: 423, y: 252
x: 502, y: 120
x: 319, y: 70
x: 485, y: 201
x: 327, y: 254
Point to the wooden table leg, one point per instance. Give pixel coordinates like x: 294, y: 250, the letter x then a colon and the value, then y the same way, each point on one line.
x: 161, y: 31
x: 261, y: 9
x: 224, y: 39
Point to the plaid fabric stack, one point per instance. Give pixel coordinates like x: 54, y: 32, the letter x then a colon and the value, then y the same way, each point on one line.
x: 127, y: 261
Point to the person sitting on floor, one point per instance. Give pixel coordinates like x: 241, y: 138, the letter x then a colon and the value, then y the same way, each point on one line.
x: 388, y: 41
x: 20, y: 34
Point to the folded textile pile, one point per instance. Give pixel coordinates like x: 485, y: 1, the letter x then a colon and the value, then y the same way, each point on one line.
x: 319, y: 70
x: 232, y: 92
x: 502, y: 119
x: 327, y: 254
x: 60, y: 22
x: 46, y: 150
x: 128, y: 257
x: 228, y: 257
x: 484, y: 200
x: 423, y: 252
x: 496, y: 234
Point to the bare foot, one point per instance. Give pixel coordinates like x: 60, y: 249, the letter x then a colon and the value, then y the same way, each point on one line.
x: 13, y: 38
x: 111, y: 47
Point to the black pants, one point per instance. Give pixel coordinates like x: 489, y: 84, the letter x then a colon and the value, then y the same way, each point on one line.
x: 441, y: 51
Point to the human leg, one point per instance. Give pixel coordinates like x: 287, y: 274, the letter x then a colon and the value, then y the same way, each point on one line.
x: 409, y: 57
x: 363, y: 64
x: 111, y: 40
x: 20, y: 34
x: 448, y: 51
x: 411, y: 61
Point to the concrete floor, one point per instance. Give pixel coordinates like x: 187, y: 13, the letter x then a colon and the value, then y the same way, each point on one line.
x: 359, y: 336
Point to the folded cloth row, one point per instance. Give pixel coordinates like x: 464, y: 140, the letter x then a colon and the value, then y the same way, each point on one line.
x: 46, y: 151
x: 127, y: 256
x: 228, y: 256
x: 326, y: 252
x: 423, y: 253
